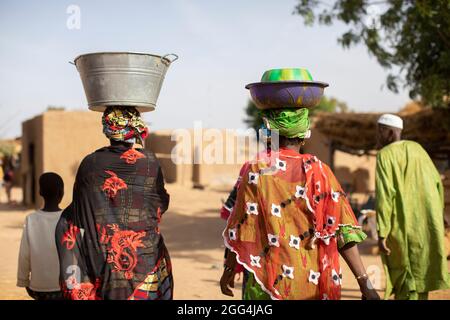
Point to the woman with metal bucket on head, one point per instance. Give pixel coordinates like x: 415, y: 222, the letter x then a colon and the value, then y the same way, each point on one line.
x: 108, y: 239
x: 291, y: 218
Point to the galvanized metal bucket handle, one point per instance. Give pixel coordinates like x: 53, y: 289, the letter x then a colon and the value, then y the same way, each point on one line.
x: 168, y: 61
x: 164, y: 59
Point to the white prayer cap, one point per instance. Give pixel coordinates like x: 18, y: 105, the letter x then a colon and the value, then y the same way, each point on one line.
x: 391, y: 120
x: 308, y: 134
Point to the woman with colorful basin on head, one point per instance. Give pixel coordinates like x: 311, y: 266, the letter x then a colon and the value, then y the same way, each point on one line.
x: 291, y: 218
x: 108, y: 239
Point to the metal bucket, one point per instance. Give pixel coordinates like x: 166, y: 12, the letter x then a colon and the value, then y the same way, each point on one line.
x: 122, y: 78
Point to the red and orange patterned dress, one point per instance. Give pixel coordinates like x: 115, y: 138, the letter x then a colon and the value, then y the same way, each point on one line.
x: 290, y: 217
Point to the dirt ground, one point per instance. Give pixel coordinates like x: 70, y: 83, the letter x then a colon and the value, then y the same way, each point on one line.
x: 192, y: 230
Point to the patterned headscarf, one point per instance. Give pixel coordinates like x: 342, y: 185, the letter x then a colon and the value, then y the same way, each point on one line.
x: 291, y: 123
x: 124, y: 124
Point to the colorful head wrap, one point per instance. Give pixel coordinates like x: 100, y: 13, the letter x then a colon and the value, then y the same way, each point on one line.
x: 290, y: 123
x: 124, y: 124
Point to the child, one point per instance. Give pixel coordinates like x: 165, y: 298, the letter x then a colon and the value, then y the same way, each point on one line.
x: 38, y: 269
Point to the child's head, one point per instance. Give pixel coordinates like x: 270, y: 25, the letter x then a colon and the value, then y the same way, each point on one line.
x: 51, y: 187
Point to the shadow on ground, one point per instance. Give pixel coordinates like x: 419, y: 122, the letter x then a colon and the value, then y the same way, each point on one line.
x: 5, y: 207
x: 183, y: 233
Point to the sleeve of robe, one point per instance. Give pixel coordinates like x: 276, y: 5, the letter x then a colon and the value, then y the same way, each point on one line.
x: 385, y: 194
x: 441, y: 192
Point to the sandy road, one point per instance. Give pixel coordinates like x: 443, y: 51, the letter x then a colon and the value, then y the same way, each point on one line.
x: 192, y: 230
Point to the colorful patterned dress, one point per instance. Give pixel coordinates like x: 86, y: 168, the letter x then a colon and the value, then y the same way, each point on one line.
x: 289, y: 220
x: 108, y: 239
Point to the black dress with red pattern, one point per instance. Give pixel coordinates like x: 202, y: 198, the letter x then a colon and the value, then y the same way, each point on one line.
x: 108, y: 238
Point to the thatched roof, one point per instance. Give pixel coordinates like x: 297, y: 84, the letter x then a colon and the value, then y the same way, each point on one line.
x: 356, y: 132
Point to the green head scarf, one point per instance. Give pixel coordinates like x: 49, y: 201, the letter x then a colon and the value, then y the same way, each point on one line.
x: 290, y: 123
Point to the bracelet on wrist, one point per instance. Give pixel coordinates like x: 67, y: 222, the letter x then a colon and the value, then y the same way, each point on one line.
x: 363, y: 276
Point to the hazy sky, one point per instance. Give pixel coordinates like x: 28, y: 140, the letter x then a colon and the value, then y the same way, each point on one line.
x: 223, y: 45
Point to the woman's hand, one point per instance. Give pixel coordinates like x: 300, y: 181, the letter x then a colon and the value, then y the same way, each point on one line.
x: 227, y: 282
x: 367, y: 290
x: 227, y: 279
x: 351, y: 256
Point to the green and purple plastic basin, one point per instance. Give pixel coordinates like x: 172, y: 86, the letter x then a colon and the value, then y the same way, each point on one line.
x: 286, y: 88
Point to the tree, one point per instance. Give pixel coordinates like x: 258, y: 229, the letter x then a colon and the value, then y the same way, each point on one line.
x: 254, y: 119
x: 329, y: 105
x: 55, y: 108
x: 413, y: 36
x: 6, y: 149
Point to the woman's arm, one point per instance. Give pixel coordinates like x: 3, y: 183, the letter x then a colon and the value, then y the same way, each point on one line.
x: 351, y: 256
x: 227, y: 279
x: 163, y: 197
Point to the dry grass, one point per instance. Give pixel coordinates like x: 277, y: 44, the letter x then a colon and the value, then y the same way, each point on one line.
x: 357, y: 131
